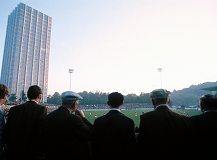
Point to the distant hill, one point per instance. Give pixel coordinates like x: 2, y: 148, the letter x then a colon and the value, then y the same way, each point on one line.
x: 191, y: 95
x: 196, y: 89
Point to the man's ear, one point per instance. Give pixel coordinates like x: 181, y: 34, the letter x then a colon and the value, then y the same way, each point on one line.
x: 168, y: 101
x: 122, y: 103
x: 4, y: 96
x: 39, y: 96
x: 75, y: 104
x: 108, y: 103
x: 153, y: 102
x: 201, y: 107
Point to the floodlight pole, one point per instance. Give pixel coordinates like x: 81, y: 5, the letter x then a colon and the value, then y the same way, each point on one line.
x: 160, y: 70
x: 70, y: 71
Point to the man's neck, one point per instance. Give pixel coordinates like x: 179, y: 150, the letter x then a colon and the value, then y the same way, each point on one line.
x: 69, y: 108
x: 118, y: 108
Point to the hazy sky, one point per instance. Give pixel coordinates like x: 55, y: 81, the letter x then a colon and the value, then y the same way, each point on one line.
x: 117, y: 45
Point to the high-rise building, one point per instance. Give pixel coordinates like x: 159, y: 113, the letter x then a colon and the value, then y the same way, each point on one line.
x: 26, y: 50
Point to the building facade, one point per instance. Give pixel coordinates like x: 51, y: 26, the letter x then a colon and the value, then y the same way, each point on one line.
x: 26, y: 50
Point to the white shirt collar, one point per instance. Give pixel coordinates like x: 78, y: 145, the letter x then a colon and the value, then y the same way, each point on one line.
x: 68, y: 109
x: 162, y: 105
x: 34, y: 101
x: 209, y: 111
x: 115, y: 109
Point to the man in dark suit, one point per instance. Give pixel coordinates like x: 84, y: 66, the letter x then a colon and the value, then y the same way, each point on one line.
x: 162, y: 132
x: 67, y: 135
x: 204, y: 126
x: 23, y: 130
x: 115, y: 137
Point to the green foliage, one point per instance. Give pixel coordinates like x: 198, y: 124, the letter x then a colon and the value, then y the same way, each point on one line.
x: 196, y: 89
x: 13, y: 97
x: 23, y: 96
x: 54, y: 99
x: 186, y: 96
x: 131, y: 98
x: 93, y: 98
x: 185, y: 99
x: 99, y: 98
x: 144, y: 98
x: 191, y: 95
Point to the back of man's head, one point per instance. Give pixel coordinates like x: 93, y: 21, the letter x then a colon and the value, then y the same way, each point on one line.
x: 3, y: 90
x: 160, y: 95
x: 209, y: 101
x: 33, y: 92
x: 115, y: 99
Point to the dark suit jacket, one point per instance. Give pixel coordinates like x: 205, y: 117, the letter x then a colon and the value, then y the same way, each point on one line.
x: 23, y: 131
x: 164, y: 134
x: 115, y: 137
x: 67, y: 135
x: 205, y: 134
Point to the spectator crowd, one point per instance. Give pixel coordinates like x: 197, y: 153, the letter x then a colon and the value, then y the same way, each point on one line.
x: 31, y: 133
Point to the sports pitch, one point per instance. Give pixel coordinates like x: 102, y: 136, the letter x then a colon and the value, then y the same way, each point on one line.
x: 131, y: 114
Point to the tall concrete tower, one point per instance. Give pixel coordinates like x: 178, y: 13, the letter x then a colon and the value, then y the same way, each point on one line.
x: 26, y: 50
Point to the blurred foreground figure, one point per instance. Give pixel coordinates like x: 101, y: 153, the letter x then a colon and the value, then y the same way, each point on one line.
x: 162, y: 132
x: 115, y: 137
x: 23, y: 131
x: 67, y: 134
x: 4, y: 93
x: 205, y: 127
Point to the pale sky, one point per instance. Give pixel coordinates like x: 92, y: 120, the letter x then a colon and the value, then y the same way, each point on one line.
x: 117, y: 45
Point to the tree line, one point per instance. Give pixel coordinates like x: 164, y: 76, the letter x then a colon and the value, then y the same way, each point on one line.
x: 99, y: 98
x: 90, y: 98
x: 187, y: 96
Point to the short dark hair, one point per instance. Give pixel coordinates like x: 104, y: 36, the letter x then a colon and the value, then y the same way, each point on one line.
x: 209, y: 101
x: 115, y: 99
x: 3, y: 90
x: 33, y: 92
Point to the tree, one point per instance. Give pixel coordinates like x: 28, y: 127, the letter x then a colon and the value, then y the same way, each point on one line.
x: 23, y: 96
x: 54, y: 99
x: 130, y: 98
x: 93, y: 98
x: 13, y: 97
x: 49, y: 98
x: 144, y: 98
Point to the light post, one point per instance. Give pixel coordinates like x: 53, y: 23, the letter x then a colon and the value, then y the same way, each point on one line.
x: 70, y: 71
x: 160, y: 70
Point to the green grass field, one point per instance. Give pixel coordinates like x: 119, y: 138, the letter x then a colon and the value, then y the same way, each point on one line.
x: 131, y: 114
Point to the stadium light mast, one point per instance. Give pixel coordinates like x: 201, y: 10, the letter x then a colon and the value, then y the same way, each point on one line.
x: 160, y: 70
x: 70, y: 71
